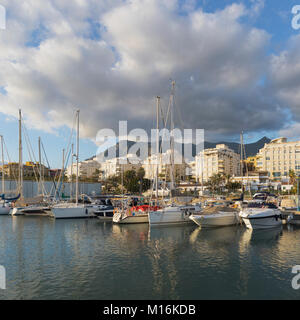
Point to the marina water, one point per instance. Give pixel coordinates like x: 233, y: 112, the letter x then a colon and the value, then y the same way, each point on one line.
x: 88, y: 259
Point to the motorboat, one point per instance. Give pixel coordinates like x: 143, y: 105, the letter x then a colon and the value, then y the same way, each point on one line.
x: 261, y: 215
x: 173, y: 215
x: 216, y: 217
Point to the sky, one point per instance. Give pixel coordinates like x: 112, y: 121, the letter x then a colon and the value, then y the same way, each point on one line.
x: 236, y: 66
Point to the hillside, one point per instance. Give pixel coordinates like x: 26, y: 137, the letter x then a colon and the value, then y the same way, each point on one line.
x: 251, y: 148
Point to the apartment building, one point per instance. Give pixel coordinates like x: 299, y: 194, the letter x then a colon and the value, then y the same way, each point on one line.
x: 220, y: 159
x: 251, y: 162
x: 115, y: 166
x: 86, y: 169
x: 30, y: 169
x: 163, y: 162
x: 279, y: 157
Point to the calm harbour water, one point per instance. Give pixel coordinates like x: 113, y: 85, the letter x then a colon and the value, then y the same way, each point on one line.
x: 88, y: 259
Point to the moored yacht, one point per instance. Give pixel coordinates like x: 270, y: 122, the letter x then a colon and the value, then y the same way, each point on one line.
x: 125, y: 217
x: 216, y: 217
x: 261, y: 216
x: 72, y: 211
x: 173, y: 215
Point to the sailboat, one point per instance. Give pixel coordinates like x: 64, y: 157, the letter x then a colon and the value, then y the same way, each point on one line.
x: 19, y: 205
x: 172, y: 214
x: 39, y: 207
x: 138, y: 214
x: 73, y: 210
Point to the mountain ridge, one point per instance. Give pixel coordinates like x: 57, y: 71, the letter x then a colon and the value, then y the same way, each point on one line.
x: 251, y: 149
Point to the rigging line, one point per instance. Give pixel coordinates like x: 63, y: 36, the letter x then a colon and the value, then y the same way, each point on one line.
x: 61, y: 183
x: 30, y: 150
x: 48, y: 164
x: 68, y: 147
x: 13, y: 172
x: 9, y: 159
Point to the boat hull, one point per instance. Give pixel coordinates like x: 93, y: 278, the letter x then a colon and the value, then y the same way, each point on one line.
x: 139, y: 218
x: 4, y: 210
x: 215, y: 220
x: 269, y: 219
x: 16, y: 211
x: 169, y: 217
x: 36, y: 211
x: 71, y: 213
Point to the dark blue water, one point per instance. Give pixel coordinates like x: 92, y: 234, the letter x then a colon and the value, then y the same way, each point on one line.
x: 87, y: 259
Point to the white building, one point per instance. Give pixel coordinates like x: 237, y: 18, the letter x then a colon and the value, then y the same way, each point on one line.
x: 254, y: 180
x: 279, y: 157
x: 220, y: 159
x: 115, y: 166
x: 163, y: 162
x: 86, y: 169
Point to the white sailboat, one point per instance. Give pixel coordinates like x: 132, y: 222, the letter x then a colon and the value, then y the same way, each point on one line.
x: 128, y: 215
x: 172, y: 214
x: 73, y: 210
x: 16, y: 211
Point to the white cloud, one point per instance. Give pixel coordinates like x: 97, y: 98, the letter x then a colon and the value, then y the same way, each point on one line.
x: 111, y: 58
x: 285, y: 76
x: 291, y: 132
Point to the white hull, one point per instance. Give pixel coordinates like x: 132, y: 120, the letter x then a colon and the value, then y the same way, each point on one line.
x: 71, y: 212
x: 16, y: 211
x: 169, y: 216
x: 221, y: 219
x: 138, y: 218
x: 261, y: 219
x: 4, y: 210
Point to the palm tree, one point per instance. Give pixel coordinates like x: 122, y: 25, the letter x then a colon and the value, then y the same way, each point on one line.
x: 215, y: 182
x: 292, y: 176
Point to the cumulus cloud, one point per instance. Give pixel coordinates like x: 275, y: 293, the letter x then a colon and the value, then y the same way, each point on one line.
x: 111, y: 58
x: 284, y: 77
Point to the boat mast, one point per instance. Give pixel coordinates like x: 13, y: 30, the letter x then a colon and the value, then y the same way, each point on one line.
x: 40, y: 167
x: 202, y: 168
x: 172, y: 135
x: 77, y: 158
x: 3, y: 181
x: 157, y: 147
x: 63, y: 172
x: 71, y: 183
x: 20, y: 156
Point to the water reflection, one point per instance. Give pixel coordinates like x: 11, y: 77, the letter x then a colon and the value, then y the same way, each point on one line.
x: 89, y: 259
